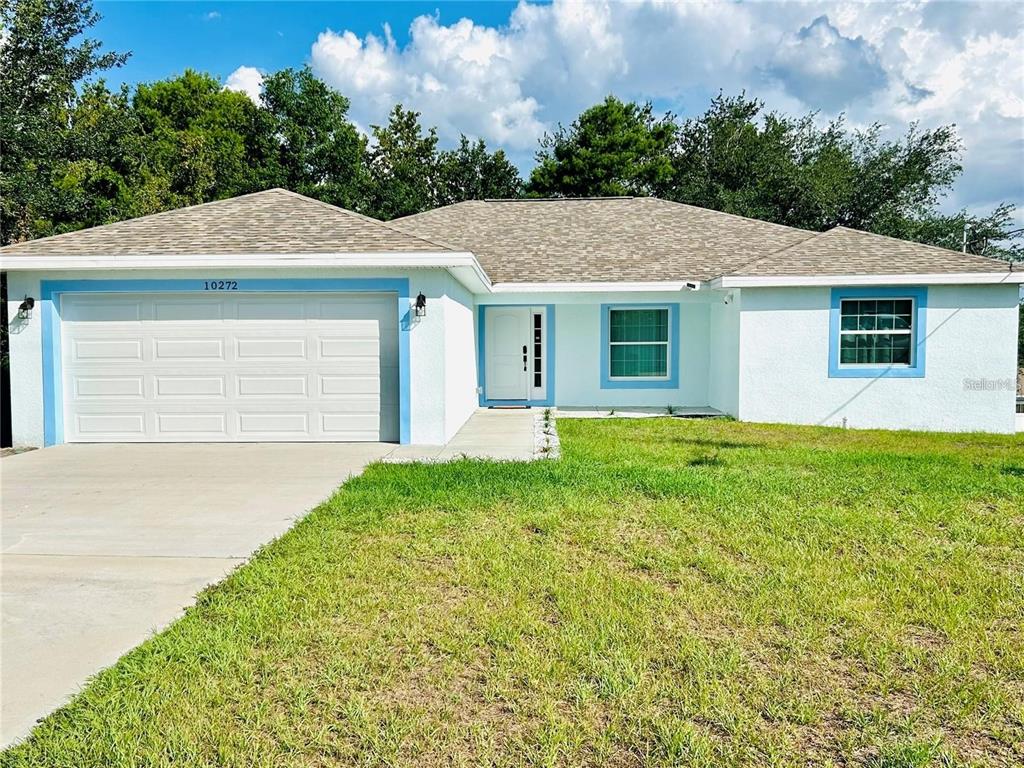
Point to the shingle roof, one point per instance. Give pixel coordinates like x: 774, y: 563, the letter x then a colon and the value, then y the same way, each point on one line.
x: 843, y: 251
x: 615, y: 239
x: 272, y: 222
x: 601, y: 239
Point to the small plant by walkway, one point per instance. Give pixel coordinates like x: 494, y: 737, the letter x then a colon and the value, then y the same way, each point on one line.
x: 666, y: 593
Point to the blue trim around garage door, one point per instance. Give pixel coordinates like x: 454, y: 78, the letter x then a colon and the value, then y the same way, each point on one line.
x: 549, y: 351
x: 920, y: 333
x: 51, y: 290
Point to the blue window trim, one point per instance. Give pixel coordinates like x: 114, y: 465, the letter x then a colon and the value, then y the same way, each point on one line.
x: 549, y: 351
x: 914, y: 371
x: 51, y: 291
x: 672, y: 382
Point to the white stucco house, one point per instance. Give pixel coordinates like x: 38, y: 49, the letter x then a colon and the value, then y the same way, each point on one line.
x: 272, y: 316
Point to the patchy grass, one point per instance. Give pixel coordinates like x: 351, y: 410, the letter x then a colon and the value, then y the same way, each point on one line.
x: 668, y: 593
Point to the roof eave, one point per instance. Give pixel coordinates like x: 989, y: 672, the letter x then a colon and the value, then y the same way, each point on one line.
x: 618, y: 286
x: 941, y: 278
x: 462, y: 265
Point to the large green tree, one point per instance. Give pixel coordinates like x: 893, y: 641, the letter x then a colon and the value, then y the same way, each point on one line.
x: 402, y: 163
x: 317, y: 150
x: 613, y: 148
x: 97, y: 177
x: 201, y: 142
x: 45, y: 53
x: 470, y: 172
x: 738, y: 158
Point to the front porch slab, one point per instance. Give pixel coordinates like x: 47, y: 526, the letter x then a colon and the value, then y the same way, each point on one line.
x: 490, y: 433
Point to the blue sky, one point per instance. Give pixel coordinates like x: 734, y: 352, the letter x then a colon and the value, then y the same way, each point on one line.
x: 167, y: 37
x: 507, y: 72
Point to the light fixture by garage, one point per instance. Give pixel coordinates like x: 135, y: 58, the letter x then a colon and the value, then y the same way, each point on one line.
x: 25, y: 308
x: 421, y: 305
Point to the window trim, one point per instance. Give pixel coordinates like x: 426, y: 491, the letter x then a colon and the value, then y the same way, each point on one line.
x: 918, y: 333
x: 669, y: 381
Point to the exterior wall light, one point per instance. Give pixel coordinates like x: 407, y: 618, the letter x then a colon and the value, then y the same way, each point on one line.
x: 421, y: 306
x: 25, y: 308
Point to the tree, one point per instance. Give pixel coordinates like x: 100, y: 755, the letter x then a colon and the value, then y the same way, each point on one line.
x: 318, y: 151
x: 44, y: 55
x: 402, y: 165
x: 204, y: 141
x: 737, y: 158
x: 996, y: 234
x: 613, y: 148
x: 470, y: 172
x: 95, y: 179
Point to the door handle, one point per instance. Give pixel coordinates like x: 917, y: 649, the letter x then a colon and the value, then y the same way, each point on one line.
x: 524, y: 357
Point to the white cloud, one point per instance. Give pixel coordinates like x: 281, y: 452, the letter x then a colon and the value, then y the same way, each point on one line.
x: 820, y: 66
x: 886, y: 62
x: 212, y: 15
x: 248, y: 80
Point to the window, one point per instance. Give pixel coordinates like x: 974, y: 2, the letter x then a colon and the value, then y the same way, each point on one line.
x: 876, y: 331
x: 638, y: 343
x: 538, y: 350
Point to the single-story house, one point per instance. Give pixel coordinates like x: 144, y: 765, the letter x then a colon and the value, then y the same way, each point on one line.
x: 272, y: 316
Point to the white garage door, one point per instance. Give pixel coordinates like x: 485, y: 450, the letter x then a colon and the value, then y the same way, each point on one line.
x: 230, y: 367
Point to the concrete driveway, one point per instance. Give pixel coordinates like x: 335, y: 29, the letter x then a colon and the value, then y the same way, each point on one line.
x: 105, y: 544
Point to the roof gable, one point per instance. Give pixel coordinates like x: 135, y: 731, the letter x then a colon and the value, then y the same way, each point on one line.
x: 275, y: 221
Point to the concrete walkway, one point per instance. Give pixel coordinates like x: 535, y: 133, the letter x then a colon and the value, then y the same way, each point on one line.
x: 489, y: 434
x: 102, y: 545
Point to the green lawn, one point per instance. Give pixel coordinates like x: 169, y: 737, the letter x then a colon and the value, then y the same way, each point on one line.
x: 667, y: 593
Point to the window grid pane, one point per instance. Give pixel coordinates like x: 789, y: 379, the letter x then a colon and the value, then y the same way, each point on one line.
x: 638, y: 325
x: 867, y: 348
x: 639, y: 360
x: 876, y: 314
x: 876, y: 331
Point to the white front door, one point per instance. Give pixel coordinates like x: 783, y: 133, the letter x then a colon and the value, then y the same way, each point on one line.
x: 507, y: 341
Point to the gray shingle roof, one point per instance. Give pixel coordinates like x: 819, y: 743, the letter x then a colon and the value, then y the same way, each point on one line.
x: 601, y: 239
x: 272, y: 222
x: 617, y: 239
x: 843, y: 251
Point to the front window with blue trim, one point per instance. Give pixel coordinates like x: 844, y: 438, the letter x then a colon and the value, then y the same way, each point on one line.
x: 638, y: 343
x: 877, y: 332
x: 639, y: 346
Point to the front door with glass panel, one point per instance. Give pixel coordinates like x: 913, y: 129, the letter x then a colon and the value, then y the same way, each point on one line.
x: 507, y: 341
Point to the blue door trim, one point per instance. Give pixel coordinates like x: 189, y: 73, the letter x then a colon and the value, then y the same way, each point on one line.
x: 549, y: 337
x: 672, y: 382
x: 51, y: 291
x: 914, y: 371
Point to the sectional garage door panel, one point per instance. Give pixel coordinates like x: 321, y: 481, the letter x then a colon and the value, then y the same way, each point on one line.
x: 230, y: 367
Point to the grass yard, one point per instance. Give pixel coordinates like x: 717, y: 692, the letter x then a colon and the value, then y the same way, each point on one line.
x: 668, y: 593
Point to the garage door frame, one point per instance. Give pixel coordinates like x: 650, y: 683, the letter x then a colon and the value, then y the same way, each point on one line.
x: 52, y: 290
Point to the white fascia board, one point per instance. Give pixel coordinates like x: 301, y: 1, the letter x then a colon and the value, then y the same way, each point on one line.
x: 666, y: 286
x: 463, y: 265
x: 793, y: 281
